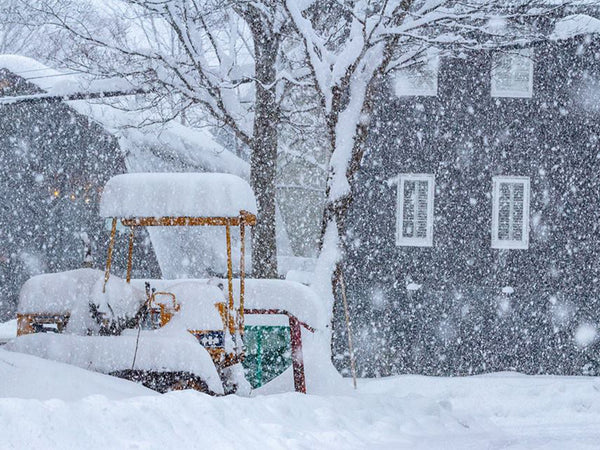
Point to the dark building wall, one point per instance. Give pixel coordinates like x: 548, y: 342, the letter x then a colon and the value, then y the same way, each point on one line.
x: 54, y: 163
x: 460, y: 321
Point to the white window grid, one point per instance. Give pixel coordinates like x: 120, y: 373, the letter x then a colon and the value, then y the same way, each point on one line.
x: 510, y: 212
x: 512, y: 74
x: 414, y: 218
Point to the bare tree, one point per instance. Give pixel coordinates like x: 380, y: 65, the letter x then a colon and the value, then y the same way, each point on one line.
x: 19, y: 36
x: 195, y: 57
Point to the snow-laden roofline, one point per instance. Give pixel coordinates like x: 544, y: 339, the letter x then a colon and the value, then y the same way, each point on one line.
x: 196, y: 146
x: 575, y: 25
x: 59, y: 83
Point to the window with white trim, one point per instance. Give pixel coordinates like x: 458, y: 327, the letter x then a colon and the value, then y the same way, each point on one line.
x: 512, y: 73
x: 414, y: 221
x: 419, y: 80
x: 510, y: 212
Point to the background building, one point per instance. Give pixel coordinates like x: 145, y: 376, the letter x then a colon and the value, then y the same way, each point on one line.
x: 474, y: 237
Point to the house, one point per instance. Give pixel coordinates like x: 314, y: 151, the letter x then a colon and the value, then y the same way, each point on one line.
x: 55, y: 162
x: 474, y: 238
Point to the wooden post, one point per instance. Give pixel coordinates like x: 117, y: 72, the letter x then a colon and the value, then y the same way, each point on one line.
x: 111, y: 244
x: 229, y: 282
x: 130, y: 254
x: 242, y: 275
x: 297, y: 357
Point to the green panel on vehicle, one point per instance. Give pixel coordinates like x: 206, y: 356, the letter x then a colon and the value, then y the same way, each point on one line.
x: 268, y: 353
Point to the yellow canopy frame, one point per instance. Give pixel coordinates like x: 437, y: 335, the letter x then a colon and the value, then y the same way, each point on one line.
x: 244, y: 219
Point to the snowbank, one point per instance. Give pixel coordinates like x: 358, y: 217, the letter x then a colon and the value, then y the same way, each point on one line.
x: 495, y: 412
x: 157, y: 351
x: 176, y: 195
x: 8, y: 330
x: 28, y: 377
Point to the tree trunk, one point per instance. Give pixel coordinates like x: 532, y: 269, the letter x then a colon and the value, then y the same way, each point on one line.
x: 336, y: 211
x: 263, y: 160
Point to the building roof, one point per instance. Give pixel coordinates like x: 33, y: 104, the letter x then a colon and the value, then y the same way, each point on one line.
x: 194, y: 145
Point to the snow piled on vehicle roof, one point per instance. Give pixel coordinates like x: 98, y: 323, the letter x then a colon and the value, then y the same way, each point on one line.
x: 71, y: 292
x: 176, y: 195
x: 57, y: 293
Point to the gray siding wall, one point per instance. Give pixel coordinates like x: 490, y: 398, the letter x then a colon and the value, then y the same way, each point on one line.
x: 460, y: 321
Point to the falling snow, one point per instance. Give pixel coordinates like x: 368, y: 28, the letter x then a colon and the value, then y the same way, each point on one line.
x: 425, y: 177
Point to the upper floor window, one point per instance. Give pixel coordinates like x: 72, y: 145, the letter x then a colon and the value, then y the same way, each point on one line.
x: 414, y: 221
x: 420, y: 79
x: 510, y: 212
x: 512, y: 74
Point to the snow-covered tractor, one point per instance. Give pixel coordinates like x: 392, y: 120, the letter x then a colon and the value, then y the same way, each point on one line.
x: 167, y: 334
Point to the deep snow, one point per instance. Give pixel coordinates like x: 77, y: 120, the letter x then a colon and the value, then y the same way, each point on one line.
x: 68, y: 407
x: 8, y: 330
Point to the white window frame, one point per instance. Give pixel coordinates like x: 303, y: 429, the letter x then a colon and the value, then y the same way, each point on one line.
x: 523, y: 243
x: 403, y: 87
x: 415, y: 241
x: 522, y: 53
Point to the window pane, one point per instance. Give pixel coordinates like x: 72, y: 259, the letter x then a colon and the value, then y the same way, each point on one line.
x: 408, y: 209
x: 504, y: 212
x: 502, y: 76
x: 421, y: 219
x: 517, y: 219
x: 511, y: 211
x: 414, y: 218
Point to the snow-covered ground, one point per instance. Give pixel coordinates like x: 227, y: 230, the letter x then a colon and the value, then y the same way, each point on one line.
x: 44, y: 404
x: 8, y: 330
x: 27, y: 379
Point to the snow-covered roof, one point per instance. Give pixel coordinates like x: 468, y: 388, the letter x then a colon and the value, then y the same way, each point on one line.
x: 176, y: 195
x: 55, y: 82
x: 575, y: 25
x: 196, y: 147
